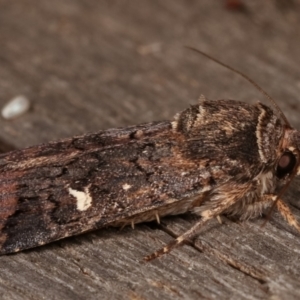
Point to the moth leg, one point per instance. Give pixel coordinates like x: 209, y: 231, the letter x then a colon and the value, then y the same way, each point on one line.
x: 187, y: 235
x: 287, y: 214
x: 194, y: 230
x: 281, y: 206
x: 132, y: 224
x: 123, y: 226
x: 157, y: 217
x: 217, y: 208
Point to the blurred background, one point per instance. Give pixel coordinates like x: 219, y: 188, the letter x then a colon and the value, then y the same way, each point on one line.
x: 91, y: 65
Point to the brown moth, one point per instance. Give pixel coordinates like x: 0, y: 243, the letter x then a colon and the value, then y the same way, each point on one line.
x: 216, y: 157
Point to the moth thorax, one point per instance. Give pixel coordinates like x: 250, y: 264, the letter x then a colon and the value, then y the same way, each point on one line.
x: 269, y: 133
x: 185, y: 121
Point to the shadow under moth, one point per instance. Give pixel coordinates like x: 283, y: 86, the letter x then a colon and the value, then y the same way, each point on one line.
x: 215, y: 157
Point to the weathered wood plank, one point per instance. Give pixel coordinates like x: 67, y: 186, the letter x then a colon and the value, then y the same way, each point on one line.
x: 90, y: 65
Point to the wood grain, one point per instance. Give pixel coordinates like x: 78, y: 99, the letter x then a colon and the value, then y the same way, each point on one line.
x: 90, y: 65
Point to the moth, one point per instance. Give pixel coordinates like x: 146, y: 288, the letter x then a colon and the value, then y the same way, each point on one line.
x: 215, y: 157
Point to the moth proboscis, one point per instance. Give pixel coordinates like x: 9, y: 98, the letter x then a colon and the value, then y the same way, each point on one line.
x: 215, y: 157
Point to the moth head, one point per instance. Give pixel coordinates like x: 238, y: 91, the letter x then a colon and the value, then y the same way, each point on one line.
x: 289, y: 159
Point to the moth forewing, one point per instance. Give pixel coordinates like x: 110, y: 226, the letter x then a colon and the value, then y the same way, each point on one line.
x: 115, y: 177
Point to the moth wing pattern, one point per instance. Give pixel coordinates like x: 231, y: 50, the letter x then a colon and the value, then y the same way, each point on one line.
x: 114, y: 177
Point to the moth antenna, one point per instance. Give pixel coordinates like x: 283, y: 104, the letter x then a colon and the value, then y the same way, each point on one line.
x: 248, y: 79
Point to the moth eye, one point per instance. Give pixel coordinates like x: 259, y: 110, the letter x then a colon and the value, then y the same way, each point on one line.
x: 286, y: 164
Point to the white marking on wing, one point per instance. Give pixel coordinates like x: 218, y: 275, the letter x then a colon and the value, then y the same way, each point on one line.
x: 84, y: 199
x: 126, y: 186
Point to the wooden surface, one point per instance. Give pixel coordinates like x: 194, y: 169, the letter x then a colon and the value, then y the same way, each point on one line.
x: 88, y: 65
